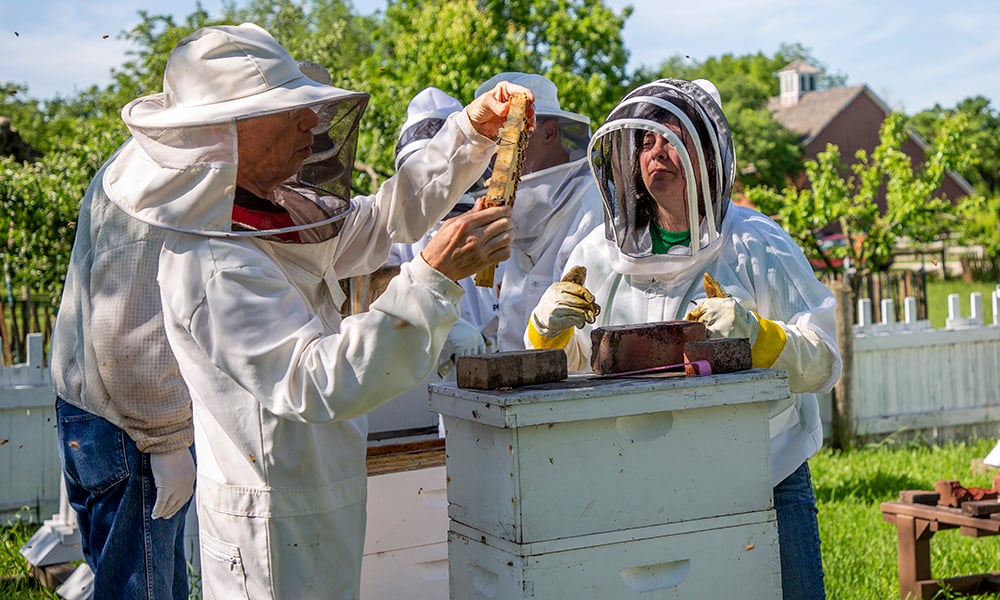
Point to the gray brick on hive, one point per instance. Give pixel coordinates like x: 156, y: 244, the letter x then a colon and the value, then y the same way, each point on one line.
x: 725, y: 355
x: 511, y: 369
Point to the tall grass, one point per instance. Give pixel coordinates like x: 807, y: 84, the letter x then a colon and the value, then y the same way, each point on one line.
x: 16, y: 582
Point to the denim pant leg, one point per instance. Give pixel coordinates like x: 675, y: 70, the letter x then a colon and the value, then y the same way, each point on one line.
x: 798, y: 537
x: 110, y: 484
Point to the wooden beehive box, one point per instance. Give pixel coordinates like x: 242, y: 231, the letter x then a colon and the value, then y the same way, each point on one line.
x: 406, y: 539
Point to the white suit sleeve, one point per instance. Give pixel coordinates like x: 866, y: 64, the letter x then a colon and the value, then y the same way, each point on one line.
x: 788, y: 293
x: 256, y: 329
x: 811, y: 359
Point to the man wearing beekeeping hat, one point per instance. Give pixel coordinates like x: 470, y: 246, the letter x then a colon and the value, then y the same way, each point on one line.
x: 556, y: 204
x: 248, y: 280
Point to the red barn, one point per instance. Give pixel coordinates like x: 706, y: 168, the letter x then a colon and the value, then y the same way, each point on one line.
x: 848, y: 117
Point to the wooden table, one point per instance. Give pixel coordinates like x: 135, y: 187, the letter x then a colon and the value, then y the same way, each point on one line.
x: 916, y: 523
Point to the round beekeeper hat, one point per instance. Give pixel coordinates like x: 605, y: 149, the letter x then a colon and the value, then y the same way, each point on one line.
x: 425, y: 115
x: 228, y: 72
x: 575, y: 128
x: 179, y: 170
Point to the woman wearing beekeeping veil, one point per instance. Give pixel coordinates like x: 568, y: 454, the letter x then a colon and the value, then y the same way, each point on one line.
x: 247, y: 163
x: 665, y: 164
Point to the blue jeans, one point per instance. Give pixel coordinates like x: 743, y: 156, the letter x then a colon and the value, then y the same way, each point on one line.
x: 110, y: 484
x: 798, y: 537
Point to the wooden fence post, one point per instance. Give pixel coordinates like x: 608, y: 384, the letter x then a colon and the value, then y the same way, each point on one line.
x: 842, y: 436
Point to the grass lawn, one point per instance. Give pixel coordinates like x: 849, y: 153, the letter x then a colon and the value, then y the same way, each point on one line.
x: 859, y: 549
x: 937, y: 299
x: 15, y: 581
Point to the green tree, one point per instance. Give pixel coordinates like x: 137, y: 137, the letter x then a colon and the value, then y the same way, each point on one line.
x: 979, y: 224
x: 26, y: 114
x: 442, y: 44
x: 39, y: 202
x: 983, y: 137
x: 767, y: 153
x: 327, y: 32
x: 456, y: 45
x: 913, y: 208
x: 805, y: 213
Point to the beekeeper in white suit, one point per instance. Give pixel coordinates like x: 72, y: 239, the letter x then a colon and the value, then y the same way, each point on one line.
x: 556, y: 205
x: 664, y: 162
x: 249, y: 272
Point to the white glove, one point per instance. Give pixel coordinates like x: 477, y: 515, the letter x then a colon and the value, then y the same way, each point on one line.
x: 563, y: 305
x: 174, y: 475
x: 726, y: 318
x: 466, y: 339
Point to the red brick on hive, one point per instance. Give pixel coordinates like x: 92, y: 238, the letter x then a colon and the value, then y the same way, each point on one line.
x: 511, y: 369
x: 623, y: 348
x: 725, y: 355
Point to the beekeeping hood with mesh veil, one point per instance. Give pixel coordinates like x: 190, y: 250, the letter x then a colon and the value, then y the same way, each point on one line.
x: 709, y: 170
x: 425, y: 116
x: 178, y: 170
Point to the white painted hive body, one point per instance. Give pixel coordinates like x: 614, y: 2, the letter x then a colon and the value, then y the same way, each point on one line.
x: 612, y: 488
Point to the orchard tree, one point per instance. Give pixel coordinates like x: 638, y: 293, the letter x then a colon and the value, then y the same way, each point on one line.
x: 979, y: 214
x: 913, y: 208
x: 807, y: 212
x: 983, y: 138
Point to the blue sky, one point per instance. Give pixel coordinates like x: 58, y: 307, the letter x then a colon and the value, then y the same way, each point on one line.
x: 912, y: 54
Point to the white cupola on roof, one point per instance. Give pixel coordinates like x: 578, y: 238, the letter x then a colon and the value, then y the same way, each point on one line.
x: 796, y: 79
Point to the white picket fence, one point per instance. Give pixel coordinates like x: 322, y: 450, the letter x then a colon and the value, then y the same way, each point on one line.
x: 914, y: 381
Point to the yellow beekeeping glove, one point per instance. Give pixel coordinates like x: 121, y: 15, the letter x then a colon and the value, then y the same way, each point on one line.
x: 564, y: 305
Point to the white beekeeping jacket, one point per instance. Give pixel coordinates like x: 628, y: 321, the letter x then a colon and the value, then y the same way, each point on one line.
x: 759, y: 264
x: 256, y: 322
x: 753, y: 258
